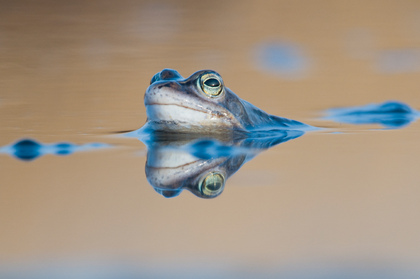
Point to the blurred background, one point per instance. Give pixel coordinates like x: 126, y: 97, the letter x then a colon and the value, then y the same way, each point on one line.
x: 326, y: 205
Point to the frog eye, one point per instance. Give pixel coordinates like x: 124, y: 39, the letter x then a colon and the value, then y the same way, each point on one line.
x: 211, y: 84
x: 212, y: 185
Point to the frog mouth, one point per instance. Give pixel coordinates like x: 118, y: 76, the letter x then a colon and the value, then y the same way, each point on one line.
x: 176, y: 112
x: 178, y: 105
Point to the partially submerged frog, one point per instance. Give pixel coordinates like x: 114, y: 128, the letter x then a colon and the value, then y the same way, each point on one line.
x: 202, y: 104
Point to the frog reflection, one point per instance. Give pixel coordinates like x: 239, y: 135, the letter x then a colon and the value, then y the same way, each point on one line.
x: 201, y: 164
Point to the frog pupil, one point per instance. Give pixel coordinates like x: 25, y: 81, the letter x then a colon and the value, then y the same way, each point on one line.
x: 212, y: 82
x: 213, y: 182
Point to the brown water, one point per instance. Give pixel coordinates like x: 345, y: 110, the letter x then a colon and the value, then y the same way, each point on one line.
x: 330, y: 205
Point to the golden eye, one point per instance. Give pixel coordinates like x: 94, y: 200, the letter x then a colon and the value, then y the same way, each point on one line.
x: 211, y: 84
x: 212, y: 184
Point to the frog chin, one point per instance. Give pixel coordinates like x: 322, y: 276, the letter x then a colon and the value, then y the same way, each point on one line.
x: 178, y: 113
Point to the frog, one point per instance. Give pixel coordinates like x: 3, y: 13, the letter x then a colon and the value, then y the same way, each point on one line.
x: 203, y: 104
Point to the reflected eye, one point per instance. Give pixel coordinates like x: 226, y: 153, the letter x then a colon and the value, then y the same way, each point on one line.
x: 211, y: 84
x: 212, y: 184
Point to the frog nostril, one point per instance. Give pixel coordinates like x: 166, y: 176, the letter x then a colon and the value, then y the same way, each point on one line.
x: 166, y: 74
x: 169, y: 74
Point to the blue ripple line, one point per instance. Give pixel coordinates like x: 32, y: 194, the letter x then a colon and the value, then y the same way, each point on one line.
x: 29, y: 149
x: 390, y: 114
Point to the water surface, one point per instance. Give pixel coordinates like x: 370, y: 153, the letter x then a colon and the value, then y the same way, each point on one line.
x: 342, y: 202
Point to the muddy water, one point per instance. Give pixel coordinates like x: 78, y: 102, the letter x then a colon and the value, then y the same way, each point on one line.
x: 336, y: 203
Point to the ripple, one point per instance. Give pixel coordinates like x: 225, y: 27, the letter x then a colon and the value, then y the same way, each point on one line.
x: 29, y: 149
